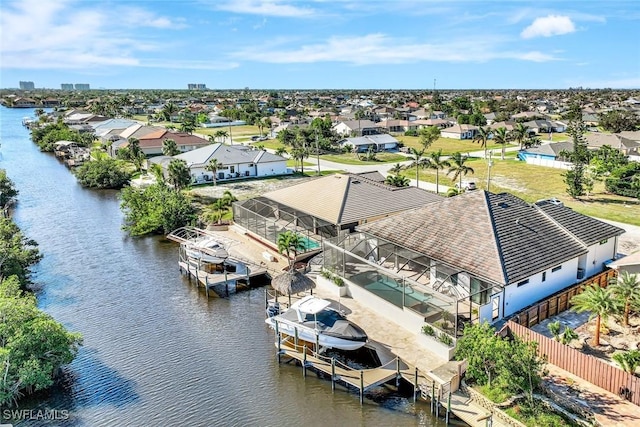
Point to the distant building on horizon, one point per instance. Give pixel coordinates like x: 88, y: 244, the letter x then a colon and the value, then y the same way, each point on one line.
x: 66, y: 86
x: 27, y: 85
x: 197, y: 86
x: 82, y: 86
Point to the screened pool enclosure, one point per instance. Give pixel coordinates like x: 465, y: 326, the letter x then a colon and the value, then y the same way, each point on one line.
x: 448, y: 299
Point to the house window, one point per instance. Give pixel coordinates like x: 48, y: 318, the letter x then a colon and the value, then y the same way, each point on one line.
x: 544, y: 276
x: 524, y: 282
x: 558, y: 268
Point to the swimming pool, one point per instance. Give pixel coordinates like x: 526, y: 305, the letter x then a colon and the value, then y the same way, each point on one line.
x: 308, y: 244
x: 392, y: 290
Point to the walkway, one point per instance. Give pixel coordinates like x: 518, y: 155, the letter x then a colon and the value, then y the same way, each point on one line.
x: 610, y: 410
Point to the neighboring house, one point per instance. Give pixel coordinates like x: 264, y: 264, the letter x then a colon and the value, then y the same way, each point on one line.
x: 547, y: 154
x: 397, y: 126
x: 101, y: 129
x: 459, y: 132
x: 509, y: 126
x: 441, y: 123
x: 490, y: 117
x: 24, y: 103
x: 151, y: 144
x: 629, y: 263
x: 325, y: 207
x: 235, y: 162
x: 356, y: 127
x: 478, y: 256
x: 545, y: 126
x: 382, y: 142
x: 627, y: 146
x: 117, y: 138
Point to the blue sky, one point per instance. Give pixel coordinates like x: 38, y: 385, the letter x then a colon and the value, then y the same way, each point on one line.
x: 341, y: 44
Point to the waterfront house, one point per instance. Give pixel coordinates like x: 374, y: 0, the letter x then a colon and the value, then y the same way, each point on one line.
x: 151, y: 144
x: 235, y: 162
x: 475, y: 257
x: 547, y: 154
x: 325, y: 207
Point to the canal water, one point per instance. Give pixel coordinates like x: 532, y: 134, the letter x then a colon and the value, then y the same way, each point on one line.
x: 156, y: 350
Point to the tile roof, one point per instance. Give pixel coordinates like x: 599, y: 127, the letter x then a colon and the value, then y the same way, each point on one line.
x: 344, y: 199
x: 498, y: 237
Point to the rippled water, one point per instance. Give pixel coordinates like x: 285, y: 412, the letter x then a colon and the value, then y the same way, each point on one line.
x: 156, y: 350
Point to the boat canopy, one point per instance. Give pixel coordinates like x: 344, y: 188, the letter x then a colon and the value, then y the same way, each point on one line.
x: 311, y: 305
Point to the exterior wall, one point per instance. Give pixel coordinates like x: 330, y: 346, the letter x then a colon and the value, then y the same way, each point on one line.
x: 453, y: 135
x: 545, y: 161
x: 598, y: 255
x: 273, y: 168
x: 516, y: 298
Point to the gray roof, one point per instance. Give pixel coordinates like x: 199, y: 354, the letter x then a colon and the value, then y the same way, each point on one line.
x: 552, y: 148
x: 497, y: 237
x: 345, y: 199
x: 228, y: 155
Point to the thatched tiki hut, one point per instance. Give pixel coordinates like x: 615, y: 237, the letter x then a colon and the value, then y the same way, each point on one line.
x: 292, y: 282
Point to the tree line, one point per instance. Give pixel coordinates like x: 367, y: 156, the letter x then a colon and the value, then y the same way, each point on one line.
x: 33, y: 345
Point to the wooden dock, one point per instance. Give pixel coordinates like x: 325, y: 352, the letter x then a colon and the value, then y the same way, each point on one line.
x: 219, y: 284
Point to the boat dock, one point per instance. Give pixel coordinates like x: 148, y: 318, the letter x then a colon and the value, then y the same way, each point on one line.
x: 220, y: 281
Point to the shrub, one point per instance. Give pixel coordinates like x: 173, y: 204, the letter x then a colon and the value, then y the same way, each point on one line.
x: 428, y: 330
x: 445, y: 339
x: 338, y: 281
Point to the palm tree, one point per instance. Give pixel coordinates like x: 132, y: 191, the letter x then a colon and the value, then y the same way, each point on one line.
x: 458, y: 168
x: 482, y: 136
x: 397, y: 180
x: 599, y: 302
x: 520, y: 134
x: 179, y: 174
x: 437, y: 162
x: 417, y: 161
x: 396, y: 169
x: 628, y: 360
x: 213, y: 167
x: 289, y: 243
x: 281, y: 151
x: 501, y: 137
x: 170, y: 148
x: 157, y: 172
x: 221, y: 135
x: 134, y: 153
x: 627, y: 289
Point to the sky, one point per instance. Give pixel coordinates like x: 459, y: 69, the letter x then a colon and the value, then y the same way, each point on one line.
x: 321, y: 44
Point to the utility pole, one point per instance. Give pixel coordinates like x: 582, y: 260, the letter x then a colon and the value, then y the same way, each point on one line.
x: 318, y: 152
x: 489, y: 164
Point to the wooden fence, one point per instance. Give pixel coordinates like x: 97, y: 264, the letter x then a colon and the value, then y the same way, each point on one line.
x: 587, y: 367
x: 560, y: 301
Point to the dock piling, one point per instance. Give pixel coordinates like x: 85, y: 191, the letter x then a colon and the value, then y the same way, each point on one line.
x: 433, y: 395
x: 448, y: 408
x: 333, y: 374
x: 304, y: 362
x: 398, y: 372
x: 361, y: 387
x: 415, y: 385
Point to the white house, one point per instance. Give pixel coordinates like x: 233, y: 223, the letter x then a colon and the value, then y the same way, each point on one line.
x: 356, y: 127
x: 475, y: 257
x: 235, y: 162
x: 459, y: 132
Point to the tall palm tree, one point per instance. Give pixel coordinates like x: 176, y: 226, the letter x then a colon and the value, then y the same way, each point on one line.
x: 500, y: 136
x: 627, y: 289
x: 170, y: 148
x: 213, y: 167
x: 482, y: 136
x: 290, y: 243
x: 599, y: 302
x: 520, y: 134
x: 458, y: 168
x: 417, y: 160
x: 437, y: 162
x: 179, y: 174
x: 135, y: 153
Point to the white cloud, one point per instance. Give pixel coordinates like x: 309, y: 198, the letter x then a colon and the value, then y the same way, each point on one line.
x: 550, y: 25
x: 265, y: 7
x: 68, y: 35
x: 381, y: 49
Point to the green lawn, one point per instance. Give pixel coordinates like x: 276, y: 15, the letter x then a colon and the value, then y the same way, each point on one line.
x: 448, y: 145
x: 532, y: 183
x: 351, y: 159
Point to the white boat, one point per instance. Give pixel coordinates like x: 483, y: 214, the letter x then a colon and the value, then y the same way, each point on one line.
x: 315, y: 321
x: 206, y: 250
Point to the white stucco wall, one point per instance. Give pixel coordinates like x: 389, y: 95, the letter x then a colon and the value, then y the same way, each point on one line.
x: 273, y: 168
x: 516, y: 298
x: 598, y: 254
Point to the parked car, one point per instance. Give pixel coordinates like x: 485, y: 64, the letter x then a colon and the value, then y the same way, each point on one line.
x: 466, y: 186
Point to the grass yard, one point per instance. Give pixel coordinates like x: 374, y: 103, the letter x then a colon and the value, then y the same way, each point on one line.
x: 533, y: 183
x: 448, y: 145
x: 351, y: 159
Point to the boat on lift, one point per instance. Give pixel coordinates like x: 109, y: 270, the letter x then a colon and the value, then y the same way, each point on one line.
x: 311, y: 319
x: 207, y: 250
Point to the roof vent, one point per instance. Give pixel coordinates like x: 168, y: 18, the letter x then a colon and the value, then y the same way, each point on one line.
x: 355, y: 182
x: 503, y: 204
x: 518, y: 221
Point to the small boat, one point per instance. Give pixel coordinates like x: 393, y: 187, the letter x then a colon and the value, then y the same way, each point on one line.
x: 206, y: 250
x: 315, y: 321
